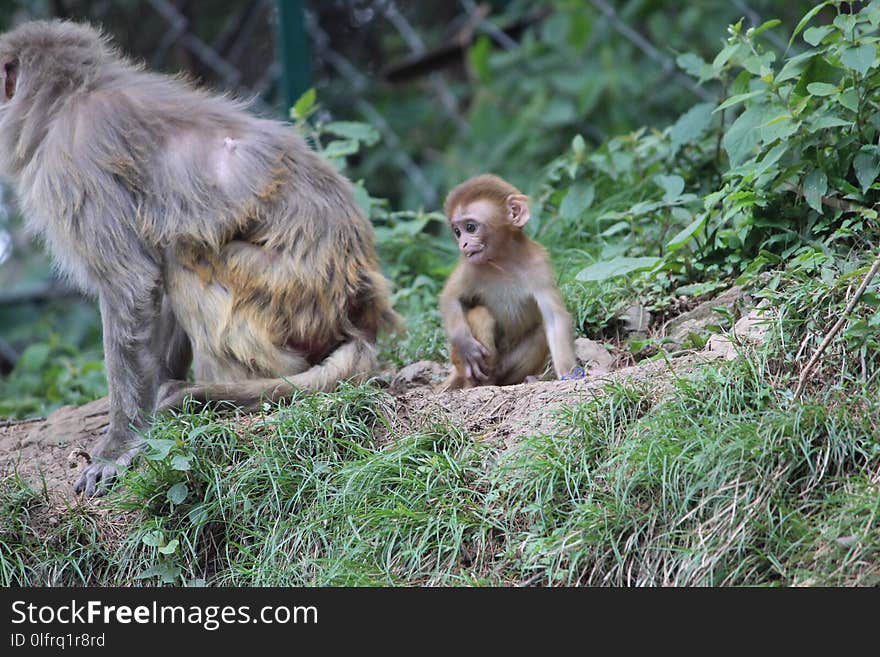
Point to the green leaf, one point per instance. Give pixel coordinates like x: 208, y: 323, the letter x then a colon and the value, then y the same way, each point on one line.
x: 34, y: 358
x: 698, y: 289
x: 153, y: 539
x: 579, y: 29
x: 198, y: 515
x: 559, y: 111
x: 771, y: 158
x: 181, y: 463
x: 860, y: 58
x: 195, y: 432
x: 645, y: 207
x: 849, y: 99
x: 846, y: 23
x: 815, y: 186
x: 362, y: 198
x: 767, y: 25
x: 739, y: 98
x: 341, y: 148
x: 672, y: 186
x: 616, y: 228
x: 356, y: 130
x: 741, y: 83
x: 867, y: 166
x: 742, y: 137
x: 167, y: 572
x: 694, y: 65
x: 806, y: 19
x: 691, y: 125
x: 779, y: 127
x: 795, y: 66
x: 872, y: 11
x: 687, y: 233
x: 822, y: 89
x: 159, y: 448
x: 725, y: 55
x: 736, y: 28
x: 177, y: 493
x: 577, y: 200
x: 302, y: 107
x: 843, y: 186
x: 814, y: 35
x: 616, y: 267
x: 819, y: 70
x: 827, y: 121
x: 478, y: 58
x: 555, y: 29
x: 578, y: 146
x: 170, y: 547
x: 760, y: 64
x: 714, y: 198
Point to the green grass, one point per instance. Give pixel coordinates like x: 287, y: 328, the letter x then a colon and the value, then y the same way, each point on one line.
x: 42, y: 544
x: 716, y: 485
x: 723, y: 481
x: 306, y: 496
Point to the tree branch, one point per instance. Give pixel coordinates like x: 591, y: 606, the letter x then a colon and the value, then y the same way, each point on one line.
x: 805, y: 373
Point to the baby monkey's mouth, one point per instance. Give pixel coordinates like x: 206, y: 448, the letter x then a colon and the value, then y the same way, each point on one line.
x: 471, y: 252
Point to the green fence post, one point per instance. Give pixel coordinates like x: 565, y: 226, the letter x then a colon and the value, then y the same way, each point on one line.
x: 293, y: 51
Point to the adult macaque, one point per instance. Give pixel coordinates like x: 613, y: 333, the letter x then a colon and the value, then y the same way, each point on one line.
x: 206, y: 233
x: 501, y: 308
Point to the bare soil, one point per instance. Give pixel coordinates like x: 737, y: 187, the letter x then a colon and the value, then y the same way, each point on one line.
x: 502, y: 415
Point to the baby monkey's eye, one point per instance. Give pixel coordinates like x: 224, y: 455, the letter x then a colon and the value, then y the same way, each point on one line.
x: 470, y: 227
x: 457, y: 232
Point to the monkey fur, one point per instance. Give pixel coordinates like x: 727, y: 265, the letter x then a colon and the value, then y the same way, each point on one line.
x: 205, y: 232
x: 501, y: 308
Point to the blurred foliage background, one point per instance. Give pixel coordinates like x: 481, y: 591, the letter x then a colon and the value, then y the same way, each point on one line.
x: 538, y: 92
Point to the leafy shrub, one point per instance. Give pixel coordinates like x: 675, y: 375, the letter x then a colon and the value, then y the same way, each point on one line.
x: 48, y: 375
x: 786, y: 164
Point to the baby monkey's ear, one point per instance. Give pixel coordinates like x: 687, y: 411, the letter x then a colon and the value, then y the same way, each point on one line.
x: 518, y: 212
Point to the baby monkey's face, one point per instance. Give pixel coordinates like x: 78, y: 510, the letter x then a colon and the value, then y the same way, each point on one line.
x: 475, y: 226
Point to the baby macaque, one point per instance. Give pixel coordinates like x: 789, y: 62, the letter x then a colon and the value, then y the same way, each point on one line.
x: 501, y: 307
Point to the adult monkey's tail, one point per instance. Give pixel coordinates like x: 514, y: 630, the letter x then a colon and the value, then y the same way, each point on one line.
x: 353, y: 360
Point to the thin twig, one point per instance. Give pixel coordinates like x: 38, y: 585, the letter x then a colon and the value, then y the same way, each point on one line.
x: 802, y: 381
x: 487, y: 26
x: 534, y: 579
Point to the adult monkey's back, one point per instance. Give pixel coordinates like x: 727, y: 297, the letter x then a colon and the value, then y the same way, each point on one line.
x: 207, y: 234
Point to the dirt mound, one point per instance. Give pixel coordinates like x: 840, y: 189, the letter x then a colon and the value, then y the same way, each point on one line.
x: 53, y: 450
x: 502, y: 414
